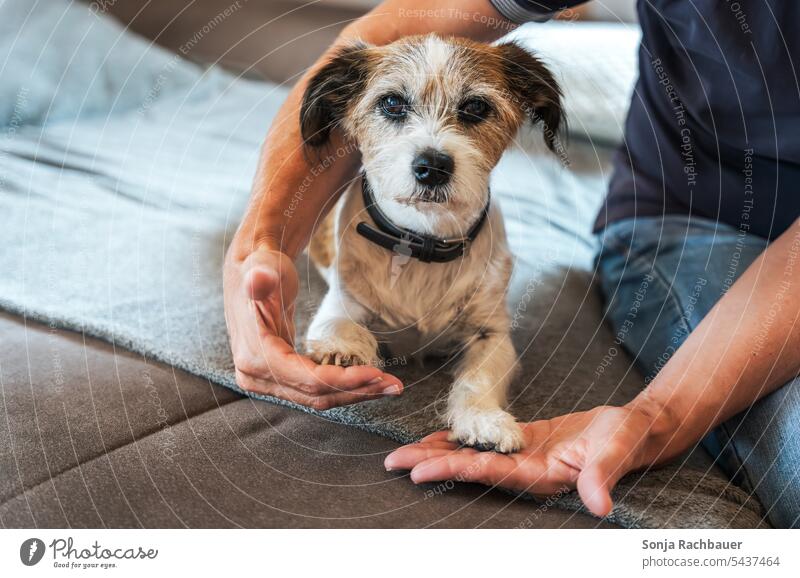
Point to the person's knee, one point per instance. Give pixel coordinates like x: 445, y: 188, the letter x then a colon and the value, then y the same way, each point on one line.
x: 767, y: 441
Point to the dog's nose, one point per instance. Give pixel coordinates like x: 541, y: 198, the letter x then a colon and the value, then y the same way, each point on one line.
x: 432, y: 168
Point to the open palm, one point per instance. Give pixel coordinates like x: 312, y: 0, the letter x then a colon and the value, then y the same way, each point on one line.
x: 588, y: 450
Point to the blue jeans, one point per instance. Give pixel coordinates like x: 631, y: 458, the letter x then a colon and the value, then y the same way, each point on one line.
x: 660, y: 276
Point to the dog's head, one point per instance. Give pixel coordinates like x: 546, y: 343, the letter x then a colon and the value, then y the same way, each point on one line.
x: 431, y: 117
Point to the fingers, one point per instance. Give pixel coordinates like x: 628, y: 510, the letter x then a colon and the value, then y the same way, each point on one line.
x: 490, y: 469
x: 487, y: 468
x: 435, y: 459
x: 271, y: 283
x: 337, y: 378
x: 433, y: 445
x: 365, y: 393
x: 409, y: 456
x: 282, y: 364
x: 267, y: 319
x: 289, y: 375
x: 597, y: 480
x: 275, y: 320
x: 318, y: 402
x: 292, y: 375
x: 595, y: 492
x: 287, y: 325
x: 261, y: 283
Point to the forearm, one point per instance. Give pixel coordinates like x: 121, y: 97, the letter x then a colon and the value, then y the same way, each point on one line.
x: 747, y: 346
x: 291, y: 190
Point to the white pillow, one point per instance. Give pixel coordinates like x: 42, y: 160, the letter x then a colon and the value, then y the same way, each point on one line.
x: 596, y: 64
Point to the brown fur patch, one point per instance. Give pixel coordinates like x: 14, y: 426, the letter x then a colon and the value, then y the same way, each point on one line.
x: 332, y: 90
x: 322, y: 247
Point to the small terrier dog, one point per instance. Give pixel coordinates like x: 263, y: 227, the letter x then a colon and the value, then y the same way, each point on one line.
x: 415, y: 251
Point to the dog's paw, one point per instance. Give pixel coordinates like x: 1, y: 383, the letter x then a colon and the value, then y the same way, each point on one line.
x: 345, y: 344
x: 492, y: 429
x: 326, y: 355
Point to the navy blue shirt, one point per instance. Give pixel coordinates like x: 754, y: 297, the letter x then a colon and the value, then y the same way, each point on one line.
x: 714, y: 124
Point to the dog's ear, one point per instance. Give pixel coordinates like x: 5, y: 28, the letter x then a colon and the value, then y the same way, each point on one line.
x: 535, y: 88
x: 330, y: 91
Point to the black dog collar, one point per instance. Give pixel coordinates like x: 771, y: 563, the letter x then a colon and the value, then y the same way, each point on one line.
x: 426, y: 248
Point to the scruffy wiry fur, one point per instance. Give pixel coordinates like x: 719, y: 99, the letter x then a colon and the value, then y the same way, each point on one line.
x: 458, y: 307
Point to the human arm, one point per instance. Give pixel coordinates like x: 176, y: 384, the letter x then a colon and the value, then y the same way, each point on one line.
x: 747, y: 346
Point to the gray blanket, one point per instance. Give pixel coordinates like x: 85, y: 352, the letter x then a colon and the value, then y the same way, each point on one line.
x: 124, y: 171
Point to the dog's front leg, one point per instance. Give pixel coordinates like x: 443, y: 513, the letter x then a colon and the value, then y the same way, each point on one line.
x: 337, y: 335
x: 475, y: 407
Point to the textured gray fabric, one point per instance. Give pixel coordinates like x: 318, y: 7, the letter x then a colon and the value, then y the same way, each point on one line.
x: 115, y: 224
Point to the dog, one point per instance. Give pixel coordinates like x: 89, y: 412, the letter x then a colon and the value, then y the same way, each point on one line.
x: 414, y: 253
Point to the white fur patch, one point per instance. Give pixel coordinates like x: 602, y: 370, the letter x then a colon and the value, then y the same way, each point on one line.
x: 438, y: 54
x: 494, y: 428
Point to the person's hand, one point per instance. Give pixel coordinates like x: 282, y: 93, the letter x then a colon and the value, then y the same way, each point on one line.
x: 589, y: 450
x: 260, y: 297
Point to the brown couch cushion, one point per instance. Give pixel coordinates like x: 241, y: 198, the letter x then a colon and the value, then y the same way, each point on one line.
x: 92, y: 435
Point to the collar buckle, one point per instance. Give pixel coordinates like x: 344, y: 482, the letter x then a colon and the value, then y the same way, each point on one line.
x: 467, y: 244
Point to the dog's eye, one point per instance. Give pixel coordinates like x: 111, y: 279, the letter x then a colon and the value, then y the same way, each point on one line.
x: 394, y: 106
x: 473, y: 110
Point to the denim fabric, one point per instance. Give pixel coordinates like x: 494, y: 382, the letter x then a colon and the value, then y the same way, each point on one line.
x: 660, y: 276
